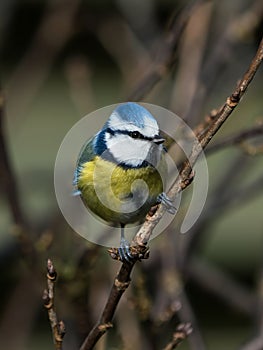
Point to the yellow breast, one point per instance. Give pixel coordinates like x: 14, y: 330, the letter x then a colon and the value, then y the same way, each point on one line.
x: 116, y: 194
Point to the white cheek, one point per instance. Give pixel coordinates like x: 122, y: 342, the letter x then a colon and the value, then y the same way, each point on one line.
x: 127, y: 150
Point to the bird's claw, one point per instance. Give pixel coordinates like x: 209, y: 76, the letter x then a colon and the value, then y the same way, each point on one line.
x: 167, y: 203
x: 124, y: 252
x: 135, y: 253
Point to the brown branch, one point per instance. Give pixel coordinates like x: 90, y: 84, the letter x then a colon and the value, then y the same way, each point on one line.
x: 58, y: 327
x: 181, y: 333
x: 236, y: 139
x: 120, y: 284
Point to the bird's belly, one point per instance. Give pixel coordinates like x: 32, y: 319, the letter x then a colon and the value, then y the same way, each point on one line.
x: 118, y: 195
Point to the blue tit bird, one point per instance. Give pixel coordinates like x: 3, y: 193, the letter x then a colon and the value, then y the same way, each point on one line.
x: 120, y: 171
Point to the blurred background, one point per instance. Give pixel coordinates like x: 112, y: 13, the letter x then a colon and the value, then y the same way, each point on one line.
x: 62, y: 59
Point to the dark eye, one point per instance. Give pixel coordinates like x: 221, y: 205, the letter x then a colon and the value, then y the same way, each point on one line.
x: 135, y: 134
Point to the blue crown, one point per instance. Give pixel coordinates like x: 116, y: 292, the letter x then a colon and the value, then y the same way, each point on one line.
x: 131, y: 112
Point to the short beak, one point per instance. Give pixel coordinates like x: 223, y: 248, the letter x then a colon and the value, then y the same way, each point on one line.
x: 158, y: 140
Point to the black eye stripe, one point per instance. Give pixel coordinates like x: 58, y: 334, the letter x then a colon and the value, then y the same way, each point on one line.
x: 132, y: 134
x: 110, y: 131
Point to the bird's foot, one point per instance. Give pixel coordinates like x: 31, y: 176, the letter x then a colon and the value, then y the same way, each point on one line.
x: 129, y: 254
x: 124, y: 251
x: 167, y: 203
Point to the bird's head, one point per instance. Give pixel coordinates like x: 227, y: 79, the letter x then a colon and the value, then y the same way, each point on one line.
x: 130, y: 136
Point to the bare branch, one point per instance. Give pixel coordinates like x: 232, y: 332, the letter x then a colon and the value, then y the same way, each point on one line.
x: 181, y: 333
x: 58, y: 327
x: 120, y: 284
x: 236, y: 139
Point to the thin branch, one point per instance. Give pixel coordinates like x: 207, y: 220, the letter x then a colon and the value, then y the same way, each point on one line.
x: 58, y: 327
x: 236, y: 139
x: 181, y: 333
x: 120, y: 284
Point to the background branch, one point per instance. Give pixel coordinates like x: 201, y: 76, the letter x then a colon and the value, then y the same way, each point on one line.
x: 236, y: 139
x: 182, y: 331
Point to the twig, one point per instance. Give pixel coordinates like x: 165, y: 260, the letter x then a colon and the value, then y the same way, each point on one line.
x: 181, y: 333
x: 58, y: 327
x: 236, y: 139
